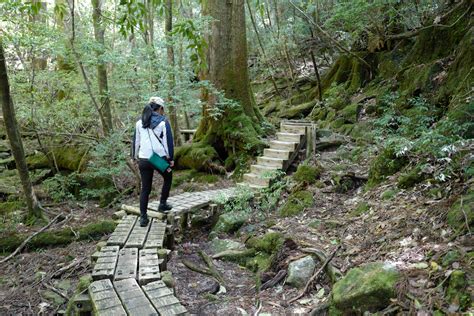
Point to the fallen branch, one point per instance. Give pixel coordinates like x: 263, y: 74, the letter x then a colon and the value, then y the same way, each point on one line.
x: 194, y: 267
x: 55, y: 290
x: 27, y: 240
x: 274, y: 281
x: 74, y: 263
x: 333, y: 272
x: 315, y: 276
x: 208, y: 260
x: 465, y: 217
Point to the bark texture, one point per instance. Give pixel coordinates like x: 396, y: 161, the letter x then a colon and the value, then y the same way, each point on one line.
x: 14, y: 137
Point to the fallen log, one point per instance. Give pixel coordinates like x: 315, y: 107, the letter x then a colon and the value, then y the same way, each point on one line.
x: 136, y: 211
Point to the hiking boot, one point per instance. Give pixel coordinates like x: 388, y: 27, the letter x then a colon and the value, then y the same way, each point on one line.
x: 144, y: 221
x: 164, y: 207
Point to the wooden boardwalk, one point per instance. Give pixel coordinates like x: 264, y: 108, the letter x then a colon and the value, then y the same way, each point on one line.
x: 127, y: 271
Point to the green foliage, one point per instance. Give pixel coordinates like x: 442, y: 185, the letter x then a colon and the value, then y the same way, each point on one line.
x: 362, y: 208
x: 307, y: 174
x: 60, y: 187
x: 296, y: 203
x: 461, y: 212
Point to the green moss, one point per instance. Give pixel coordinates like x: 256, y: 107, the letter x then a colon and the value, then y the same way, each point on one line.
x: 296, y: 203
x: 362, y: 208
x: 450, y: 257
x: 307, y: 174
x: 385, y: 164
x: 461, y: 211
x: 337, y: 123
x: 298, y: 111
x: 58, y: 237
x: 350, y: 112
x: 269, y: 243
x: 197, y: 156
x: 410, y: 179
x: 11, y: 206
x: 67, y: 157
x: 388, y: 194
x: 183, y: 176
x: 366, y: 288
x: 260, y: 262
x: 457, y: 293
x: 230, y: 222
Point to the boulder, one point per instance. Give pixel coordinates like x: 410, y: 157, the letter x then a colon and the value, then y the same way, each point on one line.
x: 300, y: 271
x: 230, y: 222
x: 220, y: 245
x: 366, y: 288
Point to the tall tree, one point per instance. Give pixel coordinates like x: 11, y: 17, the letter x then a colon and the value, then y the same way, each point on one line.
x: 171, y: 63
x: 235, y: 129
x: 99, y: 33
x: 13, y: 133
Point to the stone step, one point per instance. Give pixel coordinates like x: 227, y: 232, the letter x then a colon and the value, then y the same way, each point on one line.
x: 259, y: 169
x: 256, y: 179
x: 298, y: 129
x: 251, y: 186
x: 271, y: 162
x: 277, y: 153
x: 277, y: 144
x: 289, y: 137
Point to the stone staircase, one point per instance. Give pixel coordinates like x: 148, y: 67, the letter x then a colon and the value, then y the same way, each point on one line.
x: 282, y: 152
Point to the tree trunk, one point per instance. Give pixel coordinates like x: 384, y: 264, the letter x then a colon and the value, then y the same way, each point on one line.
x: 235, y: 129
x: 99, y: 31
x: 13, y: 133
x: 171, y: 62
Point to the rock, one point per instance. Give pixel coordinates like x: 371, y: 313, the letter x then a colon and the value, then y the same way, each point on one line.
x: 329, y: 142
x: 365, y: 288
x: 167, y: 278
x: 220, y: 245
x: 230, y: 222
x: 300, y: 271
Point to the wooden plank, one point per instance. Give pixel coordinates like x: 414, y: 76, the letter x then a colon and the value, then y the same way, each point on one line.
x: 122, y: 231
x: 138, y: 236
x: 163, y: 299
x: 127, y: 264
x: 156, y: 235
x: 106, y: 263
x: 104, y: 299
x: 148, y: 266
x: 133, y: 298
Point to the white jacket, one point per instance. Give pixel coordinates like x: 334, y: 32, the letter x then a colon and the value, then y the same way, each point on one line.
x: 143, y: 147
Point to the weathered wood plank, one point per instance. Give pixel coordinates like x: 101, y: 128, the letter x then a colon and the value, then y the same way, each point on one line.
x: 106, y: 263
x: 138, y: 236
x: 127, y: 264
x: 122, y: 231
x: 156, y: 235
x: 163, y: 299
x: 104, y: 299
x: 148, y: 266
x: 134, y: 300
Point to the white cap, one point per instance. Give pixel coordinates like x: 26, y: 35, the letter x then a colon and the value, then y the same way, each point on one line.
x: 157, y: 100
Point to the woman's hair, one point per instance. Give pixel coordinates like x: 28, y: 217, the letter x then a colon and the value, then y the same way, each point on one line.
x: 147, y: 112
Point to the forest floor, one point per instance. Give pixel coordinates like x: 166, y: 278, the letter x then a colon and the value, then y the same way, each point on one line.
x: 402, y: 227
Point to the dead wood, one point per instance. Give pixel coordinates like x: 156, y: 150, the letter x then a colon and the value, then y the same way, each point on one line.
x: 274, y: 281
x: 27, y: 240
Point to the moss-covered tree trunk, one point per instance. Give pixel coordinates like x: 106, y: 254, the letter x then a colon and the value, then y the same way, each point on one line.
x: 235, y: 131
x: 14, y: 137
x: 99, y: 32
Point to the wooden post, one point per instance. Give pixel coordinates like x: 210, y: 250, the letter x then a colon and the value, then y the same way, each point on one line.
x: 163, y: 257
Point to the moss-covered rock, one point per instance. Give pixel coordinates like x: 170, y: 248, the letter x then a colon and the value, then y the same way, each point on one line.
x: 296, y: 203
x: 307, y: 174
x: 298, y: 111
x: 195, y: 156
x: 350, y: 113
x: 450, y: 257
x: 366, y: 288
x: 71, y: 158
x: 385, y: 164
x: 269, y: 243
x: 461, y: 211
x: 300, y: 271
x: 411, y: 178
x: 457, y: 293
x: 230, y: 222
x: 219, y: 245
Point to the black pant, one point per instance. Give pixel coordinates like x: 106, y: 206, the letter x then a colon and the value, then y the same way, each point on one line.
x: 146, y: 173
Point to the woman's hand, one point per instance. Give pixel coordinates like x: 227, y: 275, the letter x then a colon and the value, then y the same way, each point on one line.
x: 172, y: 163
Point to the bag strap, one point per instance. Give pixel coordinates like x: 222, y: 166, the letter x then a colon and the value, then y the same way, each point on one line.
x: 148, y: 129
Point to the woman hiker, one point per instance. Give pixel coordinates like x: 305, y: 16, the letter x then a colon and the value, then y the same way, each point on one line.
x: 153, y: 135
